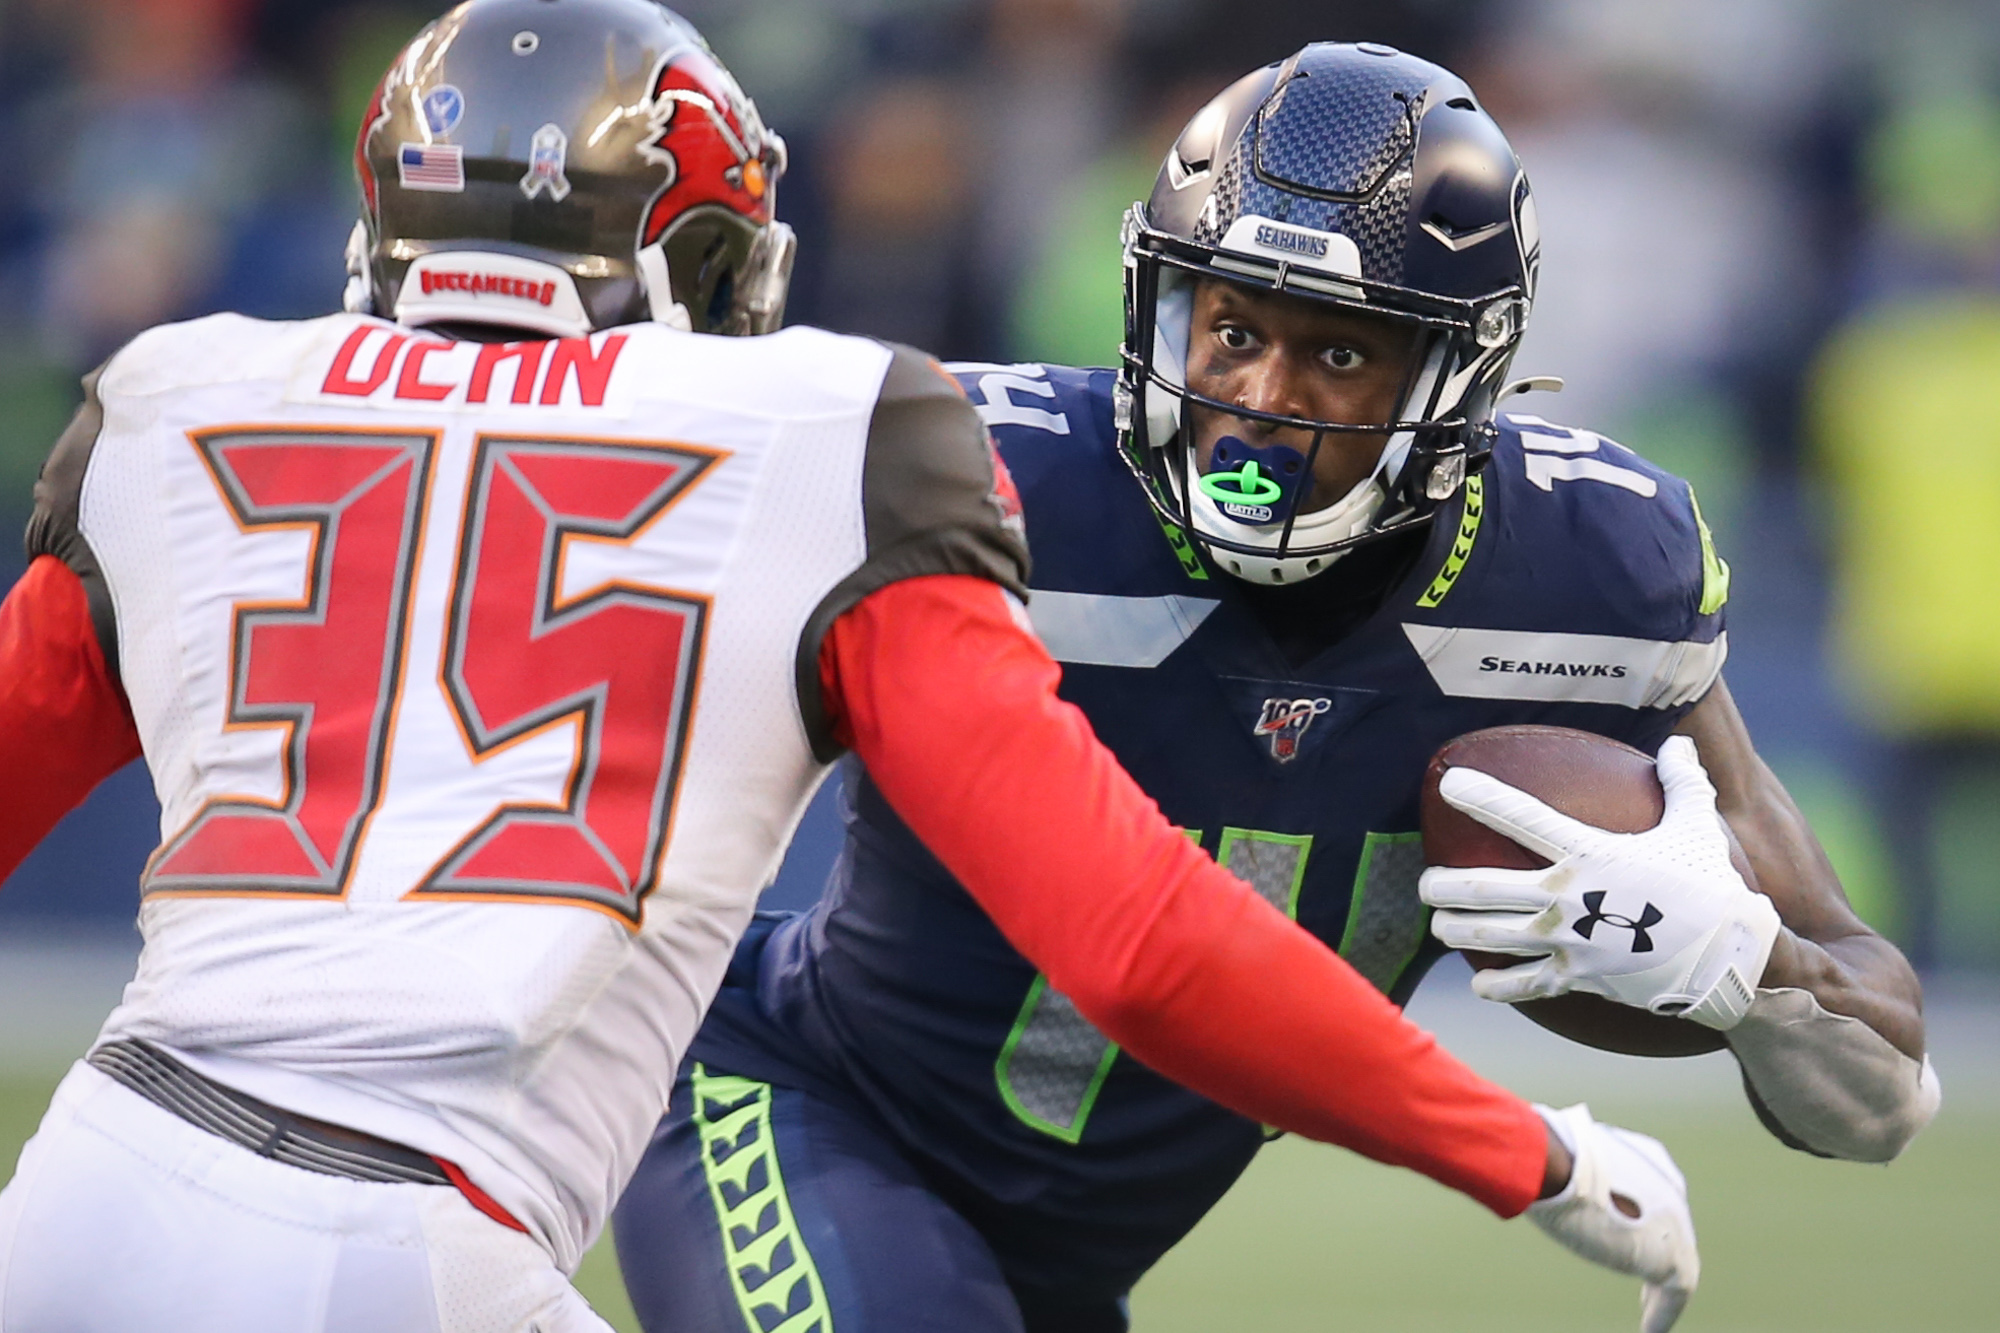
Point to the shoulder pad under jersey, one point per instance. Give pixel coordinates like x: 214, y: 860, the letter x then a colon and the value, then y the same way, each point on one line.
x: 1574, y: 554
x: 1028, y: 404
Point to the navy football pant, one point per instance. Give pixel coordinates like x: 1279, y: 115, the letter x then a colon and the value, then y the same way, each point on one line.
x: 768, y: 1210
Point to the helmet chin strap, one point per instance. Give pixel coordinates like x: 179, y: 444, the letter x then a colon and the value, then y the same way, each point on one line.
x: 359, y: 296
x: 659, y: 288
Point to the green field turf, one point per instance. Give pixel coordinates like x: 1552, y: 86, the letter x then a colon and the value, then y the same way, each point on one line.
x: 1317, y: 1241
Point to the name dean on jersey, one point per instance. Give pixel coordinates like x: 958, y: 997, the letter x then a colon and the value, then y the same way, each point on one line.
x: 376, y: 361
x: 1614, y: 670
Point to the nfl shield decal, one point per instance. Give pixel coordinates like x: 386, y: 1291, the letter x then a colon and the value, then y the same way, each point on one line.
x: 548, y: 157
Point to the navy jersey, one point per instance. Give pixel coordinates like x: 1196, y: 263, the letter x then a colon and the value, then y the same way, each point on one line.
x: 1571, y: 583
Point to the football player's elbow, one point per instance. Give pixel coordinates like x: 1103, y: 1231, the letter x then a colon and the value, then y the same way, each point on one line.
x: 1829, y: 1084
x: 1881, y: 1137
x: 1873, y: 1139
x: 1888, y: 1145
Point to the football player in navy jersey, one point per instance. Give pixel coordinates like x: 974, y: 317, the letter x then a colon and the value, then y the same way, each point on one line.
x: 1286, y: 550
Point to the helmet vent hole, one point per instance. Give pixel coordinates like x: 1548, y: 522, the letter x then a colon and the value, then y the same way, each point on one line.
x: 1462, y: 104
x: 526, y: 43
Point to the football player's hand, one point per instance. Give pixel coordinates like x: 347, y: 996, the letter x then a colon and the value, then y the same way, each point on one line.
x: 1625, y: 1207
x: 1659, y: 920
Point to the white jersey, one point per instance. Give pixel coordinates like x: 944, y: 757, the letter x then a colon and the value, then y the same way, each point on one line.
x: 478, y: 686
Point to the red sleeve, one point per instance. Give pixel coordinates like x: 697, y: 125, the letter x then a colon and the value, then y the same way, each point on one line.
x: 64, y: 722
x: 952, y: 707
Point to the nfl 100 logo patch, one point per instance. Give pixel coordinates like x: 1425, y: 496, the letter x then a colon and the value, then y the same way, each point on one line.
x: 1285, y: 721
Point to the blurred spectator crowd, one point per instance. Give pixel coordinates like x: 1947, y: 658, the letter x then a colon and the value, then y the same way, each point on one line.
x: 1771, y: 261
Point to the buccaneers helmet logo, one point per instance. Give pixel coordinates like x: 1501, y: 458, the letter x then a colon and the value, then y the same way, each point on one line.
x: 707, y: 135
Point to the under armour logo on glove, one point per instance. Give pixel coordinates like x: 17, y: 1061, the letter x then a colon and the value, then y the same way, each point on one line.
x: 1701, y: 960
x: 1593, y: 906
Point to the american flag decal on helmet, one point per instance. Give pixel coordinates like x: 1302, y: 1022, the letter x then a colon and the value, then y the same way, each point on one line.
x: 437, y: 166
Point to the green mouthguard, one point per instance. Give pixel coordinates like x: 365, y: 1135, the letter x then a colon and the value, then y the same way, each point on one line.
x: 1248, y: 487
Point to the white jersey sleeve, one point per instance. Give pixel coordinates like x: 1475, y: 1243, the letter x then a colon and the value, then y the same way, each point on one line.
x: 474, y: 681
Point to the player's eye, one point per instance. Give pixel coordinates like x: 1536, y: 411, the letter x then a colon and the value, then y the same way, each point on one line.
x: 1343, y: 358
x: 1235, y: 337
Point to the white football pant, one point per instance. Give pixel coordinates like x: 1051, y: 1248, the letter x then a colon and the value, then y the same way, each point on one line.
x: 124, y: 1217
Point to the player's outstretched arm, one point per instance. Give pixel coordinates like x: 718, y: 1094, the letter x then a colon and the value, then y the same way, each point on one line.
x: 64, y: 723
x: 1824, y: 1015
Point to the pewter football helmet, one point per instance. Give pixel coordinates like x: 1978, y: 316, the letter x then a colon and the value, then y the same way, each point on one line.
x: 567, y: 165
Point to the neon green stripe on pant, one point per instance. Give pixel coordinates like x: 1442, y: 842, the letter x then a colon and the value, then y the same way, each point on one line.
x: 771, y: 1270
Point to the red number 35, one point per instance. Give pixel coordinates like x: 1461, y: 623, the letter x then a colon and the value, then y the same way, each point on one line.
x: 616, y: 663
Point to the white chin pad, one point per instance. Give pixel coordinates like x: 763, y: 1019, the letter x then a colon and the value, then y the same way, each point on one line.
x: 1347, y: 517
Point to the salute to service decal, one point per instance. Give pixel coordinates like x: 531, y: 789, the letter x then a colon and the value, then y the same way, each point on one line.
x: 548, y: 159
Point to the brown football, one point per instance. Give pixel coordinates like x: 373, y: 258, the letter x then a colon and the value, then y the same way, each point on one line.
x: 1588, y: 777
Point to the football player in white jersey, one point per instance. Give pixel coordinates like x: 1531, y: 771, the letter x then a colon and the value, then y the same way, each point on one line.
x: 485, y: 644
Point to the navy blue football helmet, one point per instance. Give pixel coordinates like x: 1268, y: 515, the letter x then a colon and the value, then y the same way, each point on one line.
x: 1367, y: 179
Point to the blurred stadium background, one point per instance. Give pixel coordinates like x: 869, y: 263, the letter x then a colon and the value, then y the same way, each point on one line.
x: 1772, y: 263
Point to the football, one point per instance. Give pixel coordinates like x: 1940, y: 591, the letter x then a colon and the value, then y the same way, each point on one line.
x: 1590, y: 778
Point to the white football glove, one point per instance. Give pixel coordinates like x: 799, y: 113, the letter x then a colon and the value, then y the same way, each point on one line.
x: 1625, y: 1207
x: 1659, y: 920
